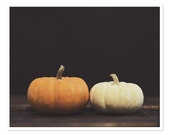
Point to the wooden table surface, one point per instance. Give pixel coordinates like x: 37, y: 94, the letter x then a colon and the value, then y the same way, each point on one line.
x: 22, y: 115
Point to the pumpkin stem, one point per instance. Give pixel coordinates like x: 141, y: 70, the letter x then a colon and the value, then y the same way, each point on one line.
x: 115, y: 78
x: 60, y: 72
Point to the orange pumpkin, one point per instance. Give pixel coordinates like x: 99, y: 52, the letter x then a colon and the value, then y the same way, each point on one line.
x: 58, y: 95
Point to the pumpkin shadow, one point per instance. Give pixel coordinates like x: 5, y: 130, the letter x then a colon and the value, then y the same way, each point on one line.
x: 116, y: 114
x: 87, y: 111
x: 35, y: 113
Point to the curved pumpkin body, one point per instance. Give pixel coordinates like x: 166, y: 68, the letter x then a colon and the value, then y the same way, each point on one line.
x: 120, y: 97
x: 50, y: 95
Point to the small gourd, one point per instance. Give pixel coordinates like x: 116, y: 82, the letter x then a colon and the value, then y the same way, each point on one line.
x: 58, y: 95
x: 116, y: 97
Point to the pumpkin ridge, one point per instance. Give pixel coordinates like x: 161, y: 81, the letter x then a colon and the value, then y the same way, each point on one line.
x: 105, y: 104
x: 39, y: 93
x: 138, y: 92
x: 93, y: 103
x: 44, y: 91
x: 82, y: 87
x: 72, y: 93
x: 131, y: 94
x: 123, y: 106
x: 91, y: 96
x: 54, y: 91
x: 128, y: 106
x: 80, y: 95
x: 101, y: 101
x: 110, y: 105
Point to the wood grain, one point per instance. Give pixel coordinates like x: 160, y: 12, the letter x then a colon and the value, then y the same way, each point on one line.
x: 22, y: 115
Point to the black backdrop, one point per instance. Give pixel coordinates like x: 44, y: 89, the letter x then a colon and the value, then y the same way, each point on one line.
x: 91, y: 42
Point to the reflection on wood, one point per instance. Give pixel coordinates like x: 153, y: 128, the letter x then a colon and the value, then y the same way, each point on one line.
x: 22, y: 115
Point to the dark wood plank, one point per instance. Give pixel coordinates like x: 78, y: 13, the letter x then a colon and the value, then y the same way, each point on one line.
x: 22, y: 115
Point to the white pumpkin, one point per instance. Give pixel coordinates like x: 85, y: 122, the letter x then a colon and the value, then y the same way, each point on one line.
x: 116, y: 97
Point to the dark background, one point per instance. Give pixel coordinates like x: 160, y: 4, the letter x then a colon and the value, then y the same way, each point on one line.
x: 91, y: 42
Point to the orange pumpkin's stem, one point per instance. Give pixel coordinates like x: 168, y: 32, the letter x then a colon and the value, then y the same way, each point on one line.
x: 60, y: 72
x: 115, y: 78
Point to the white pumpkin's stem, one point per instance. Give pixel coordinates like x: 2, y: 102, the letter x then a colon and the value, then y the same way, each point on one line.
x: 115, y: 78
x: 60, y: 72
